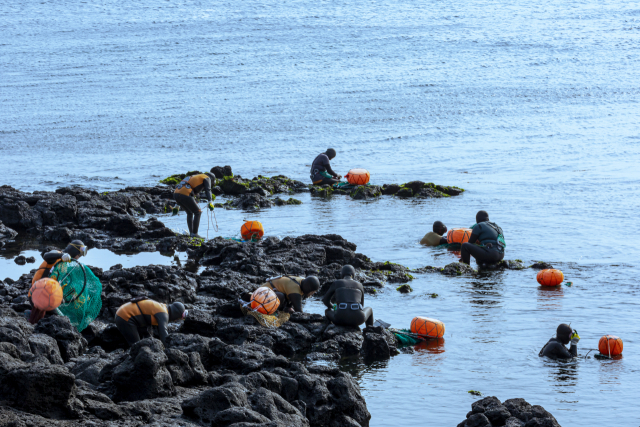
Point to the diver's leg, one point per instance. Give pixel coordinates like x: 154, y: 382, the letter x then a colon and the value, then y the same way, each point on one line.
x: 330, y: 314
x: 481, y: 254
x: 368, y: 315
x: 128, y: 330
x: 183, y: 202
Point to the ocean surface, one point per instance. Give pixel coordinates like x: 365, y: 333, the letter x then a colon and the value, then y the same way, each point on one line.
x: 532, y: 107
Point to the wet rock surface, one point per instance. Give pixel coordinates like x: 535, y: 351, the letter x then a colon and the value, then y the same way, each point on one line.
x: 216, y: 368
x: 99, y: 219
x: 490, y: 412
x: 254, y: 373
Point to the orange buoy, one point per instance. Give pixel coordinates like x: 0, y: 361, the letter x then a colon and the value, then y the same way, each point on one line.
x: 610, y: 345
x: 264, y: 300
x: 550, y: 277
x: 427, y: 327
x: 458, y: 235
x: 46, y: 294
x: 252, y: 230
x: 358, y: 176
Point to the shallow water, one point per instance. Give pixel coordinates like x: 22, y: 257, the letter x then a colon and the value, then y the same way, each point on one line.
x: 531, y: 107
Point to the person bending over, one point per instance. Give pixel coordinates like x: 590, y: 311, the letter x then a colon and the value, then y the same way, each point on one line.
x: 185, y: 194
x: 133, y: 318
x: 435, y: 237
x: 555, y: 347
x: 321, y: 172
x: 290, y: 290
x: 349, y: 299
x: 489, y: 235
x: 73, y: 251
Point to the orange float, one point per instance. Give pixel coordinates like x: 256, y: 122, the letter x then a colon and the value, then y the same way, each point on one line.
x: 550, y: 277
x: 252, y: 230
x: 458, y: 235
x: 427, y: 327
x: 264, y: 300
x: 358, y: 176
x: 46, y: 294
x: 610, y: 345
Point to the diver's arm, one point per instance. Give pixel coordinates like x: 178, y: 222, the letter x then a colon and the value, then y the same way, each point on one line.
x: 474, y: 235
x: 573, y: 350
x: 296, y: 302
x: 561, y: 352
x: 163, y: 320
x: 326, y: 300
x: 328, y: 168
x: 207, y: 189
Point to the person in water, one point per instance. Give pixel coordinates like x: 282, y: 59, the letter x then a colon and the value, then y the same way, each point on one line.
x: 73, y: 251
x: 290, y: 290
x: 349, y: 299
x: 133, y: 318
x: 555, y: 347
x: 435, y: 237
x: 321, y: 172
x: 489, y: 235
x: 186, y: 192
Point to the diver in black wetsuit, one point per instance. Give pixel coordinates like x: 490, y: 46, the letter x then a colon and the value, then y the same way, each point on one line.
x: 486, y: 233
x: 321, y: 172
x: 349, y: 298
x: 556, y: 349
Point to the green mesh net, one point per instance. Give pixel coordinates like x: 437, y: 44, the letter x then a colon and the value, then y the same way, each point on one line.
x: 81, y: 292
x: 406, y: 337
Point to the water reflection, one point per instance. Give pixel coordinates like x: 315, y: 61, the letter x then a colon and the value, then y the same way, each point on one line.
x: 550, y: 297
x: 611, y: 371
x: 435, y: 346
x: 564, y: 374
x: 359, y: 369
x: 487, y: 293
x: 101, y: 258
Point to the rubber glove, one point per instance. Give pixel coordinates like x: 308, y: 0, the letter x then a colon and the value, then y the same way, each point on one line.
x: 575, y: 338
x: 210, y: 206
x: 335, y: 307
x: 66, y: 257
x: 175, y: 210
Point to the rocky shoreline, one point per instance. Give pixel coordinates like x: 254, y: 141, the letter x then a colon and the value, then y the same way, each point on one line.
x: 219, y: 367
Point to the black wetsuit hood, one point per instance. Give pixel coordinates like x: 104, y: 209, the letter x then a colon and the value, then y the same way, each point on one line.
x: 482, y: 216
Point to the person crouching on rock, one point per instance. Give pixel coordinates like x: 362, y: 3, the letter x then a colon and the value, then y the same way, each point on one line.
x: 290, y: 290
x: 321, y: 172
x: 349, y: 299
x: 555, y: 347
x: 74, y: 250
x: 434, y: 238
x: 491, y: 239
x: 133, y: 318
x: 185, y: 194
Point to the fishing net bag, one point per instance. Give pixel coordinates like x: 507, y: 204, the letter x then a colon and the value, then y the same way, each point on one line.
x: 81, y: 291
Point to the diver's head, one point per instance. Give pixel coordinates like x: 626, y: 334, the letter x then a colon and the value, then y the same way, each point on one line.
x: 211, y: 176
x: 76, y: 249
x: 176, y: 311
x: 482, y: 216
x: 439, y: 228
x: 563, y: 333
x: 310, y: 286
x: 331, y: 153
x: 347, y: 271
